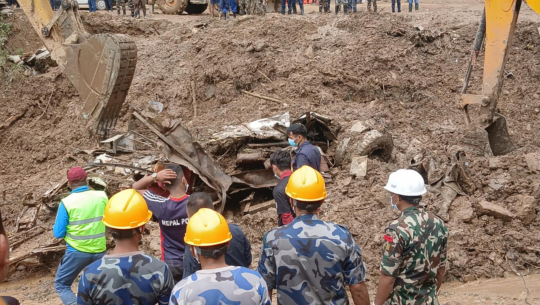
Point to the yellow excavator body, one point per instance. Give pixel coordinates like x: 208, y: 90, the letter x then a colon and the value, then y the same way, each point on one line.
x: 101, y: 67
x: 489, y: 132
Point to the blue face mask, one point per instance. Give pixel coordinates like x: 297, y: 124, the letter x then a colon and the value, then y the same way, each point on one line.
x: 392, y: 202
x: 292, y: 143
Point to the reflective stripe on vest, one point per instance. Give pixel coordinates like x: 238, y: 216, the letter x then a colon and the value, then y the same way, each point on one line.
x: 85, y: 231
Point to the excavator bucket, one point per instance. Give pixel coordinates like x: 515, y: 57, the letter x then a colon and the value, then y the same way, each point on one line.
x: 499, y: 139
x: 493, y: 140
x: 102, y: 68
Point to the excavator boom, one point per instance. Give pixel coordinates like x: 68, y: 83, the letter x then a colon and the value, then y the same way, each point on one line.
x: 101, y: 67
x: 497, y: 27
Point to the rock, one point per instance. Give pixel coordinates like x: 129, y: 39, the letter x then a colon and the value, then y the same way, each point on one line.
x: 360, y: 127
x: 359, y: 166
x: 461, y: 209
x: 309, y: 52
x: 493, y: 163
x: 419, y: 28
x: 496, y: 210
x: 525, y: 208
x: 469, y: 278
x: 260, y: 45
x: 533, y: 161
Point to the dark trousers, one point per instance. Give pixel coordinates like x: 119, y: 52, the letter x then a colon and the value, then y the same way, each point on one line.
x: 108, y: 5
x: 398, y: 6
x: 283, y: 6
x: 92, y: 6
x: 177, y: 271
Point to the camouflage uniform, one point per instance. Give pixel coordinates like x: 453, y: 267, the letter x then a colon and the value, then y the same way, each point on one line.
x: 414, y: 250
x: 374, y: 5
x: 123, y: 4
x: 138, y: 6
x: 228, y: 285
x: 243, y: 6
x: 259, y: 7
x: 123, y: 278
x: 309, y: 261
x: 324, y: 5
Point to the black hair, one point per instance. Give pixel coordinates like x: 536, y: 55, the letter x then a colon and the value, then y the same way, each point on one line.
x: 179, y: 174
x: 297, y: 130
x: 281, y: 159
x: 214, y: 252
x: 198, y: 201
x: 411, y: 199
x: 310, y: 207
x: 119, y: 234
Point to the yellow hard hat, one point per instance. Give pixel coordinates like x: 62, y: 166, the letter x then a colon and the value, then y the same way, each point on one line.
x: 306, y: 184
x: 207, y: 228
x: 126, y: 210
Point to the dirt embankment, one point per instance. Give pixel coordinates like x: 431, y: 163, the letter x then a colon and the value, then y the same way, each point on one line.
x: 362, y: 67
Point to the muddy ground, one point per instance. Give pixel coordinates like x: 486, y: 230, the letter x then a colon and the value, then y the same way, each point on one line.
x: 374, y: 68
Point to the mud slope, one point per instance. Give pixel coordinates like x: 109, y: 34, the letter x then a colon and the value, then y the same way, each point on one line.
x: 362, y: 67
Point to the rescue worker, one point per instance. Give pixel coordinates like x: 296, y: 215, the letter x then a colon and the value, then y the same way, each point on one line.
x: 109, y: 6
x: 306, y: 154
x: 281, y: 166
x: 309, y: 261
x: 78, y: 221
x: 217, y: 283
x: 138, y: 6
x: 126, y: 274
x: 123, y: 4
x: 259, y: 7
x: 374, y: 5
x: 414, y: 254
x: 300, y: 4
x: 394, y: 6
x: 324, y: 5
x: 239, y: 251
x: 415, y: 5
x: 213, y: 5
x: 243, y: 6
x: 171, y: 214
x: 92, y: 6
x: 226, y: 6
x: 4, y: 263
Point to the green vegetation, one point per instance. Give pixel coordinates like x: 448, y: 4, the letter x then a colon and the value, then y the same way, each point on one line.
x: 10, y: 71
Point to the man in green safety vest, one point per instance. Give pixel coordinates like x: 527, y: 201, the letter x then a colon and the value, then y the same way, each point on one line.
x: 79, y: 222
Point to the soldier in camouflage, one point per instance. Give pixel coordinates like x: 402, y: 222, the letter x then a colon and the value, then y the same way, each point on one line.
x: 414, y: 253
x: 309, y: 261
x: 127, y: 274
x: 324, y: 5
x: 208, y: 235
x: 123, y: 4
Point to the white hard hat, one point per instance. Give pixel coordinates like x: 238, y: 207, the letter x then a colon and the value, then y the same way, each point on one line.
x: 406, y: 182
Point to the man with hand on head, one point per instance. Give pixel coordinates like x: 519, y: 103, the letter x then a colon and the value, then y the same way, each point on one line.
x: 171, y: 213
x: 239, y: 250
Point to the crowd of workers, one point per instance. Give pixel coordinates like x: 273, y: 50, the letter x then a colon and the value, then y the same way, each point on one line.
x: 205, y: 260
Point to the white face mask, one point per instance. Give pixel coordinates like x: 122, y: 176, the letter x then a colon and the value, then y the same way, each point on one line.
x: 196, y: 254
x: 392, y: 202
x: 187, y: 187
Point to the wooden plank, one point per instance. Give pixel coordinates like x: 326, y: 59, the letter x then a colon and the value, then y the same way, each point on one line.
x: 262, y: 206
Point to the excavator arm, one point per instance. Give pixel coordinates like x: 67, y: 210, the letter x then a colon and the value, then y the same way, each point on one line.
x: 497, y: 27
x: 101, y: 67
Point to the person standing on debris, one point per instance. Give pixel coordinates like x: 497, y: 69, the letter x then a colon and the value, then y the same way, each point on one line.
x: 227, y: 5
x: 324, y: 5
x: 171, y: 214
x: 109, y: 6
x: 216, y: 283
x: 415, y: 5
x: 306, y: 154
x: 309, y: 261
x: 414, y: 254
x: 374, y: 5
x: 123, y: 4
x: 126, y: 274
x: 239, y: 250
x: 300, y: 4
x: 92, y: 6
x: 78, y: 221
x: 281, y: 166
x: 4, y: 263
x: 394, y: 6
x: 138, y: 6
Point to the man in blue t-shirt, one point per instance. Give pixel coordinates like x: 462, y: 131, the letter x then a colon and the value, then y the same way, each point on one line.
x: 239, y: 251
x: 171, y: 214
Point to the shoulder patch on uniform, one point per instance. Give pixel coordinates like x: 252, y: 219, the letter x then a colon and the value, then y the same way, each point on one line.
x: 388, y: 238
